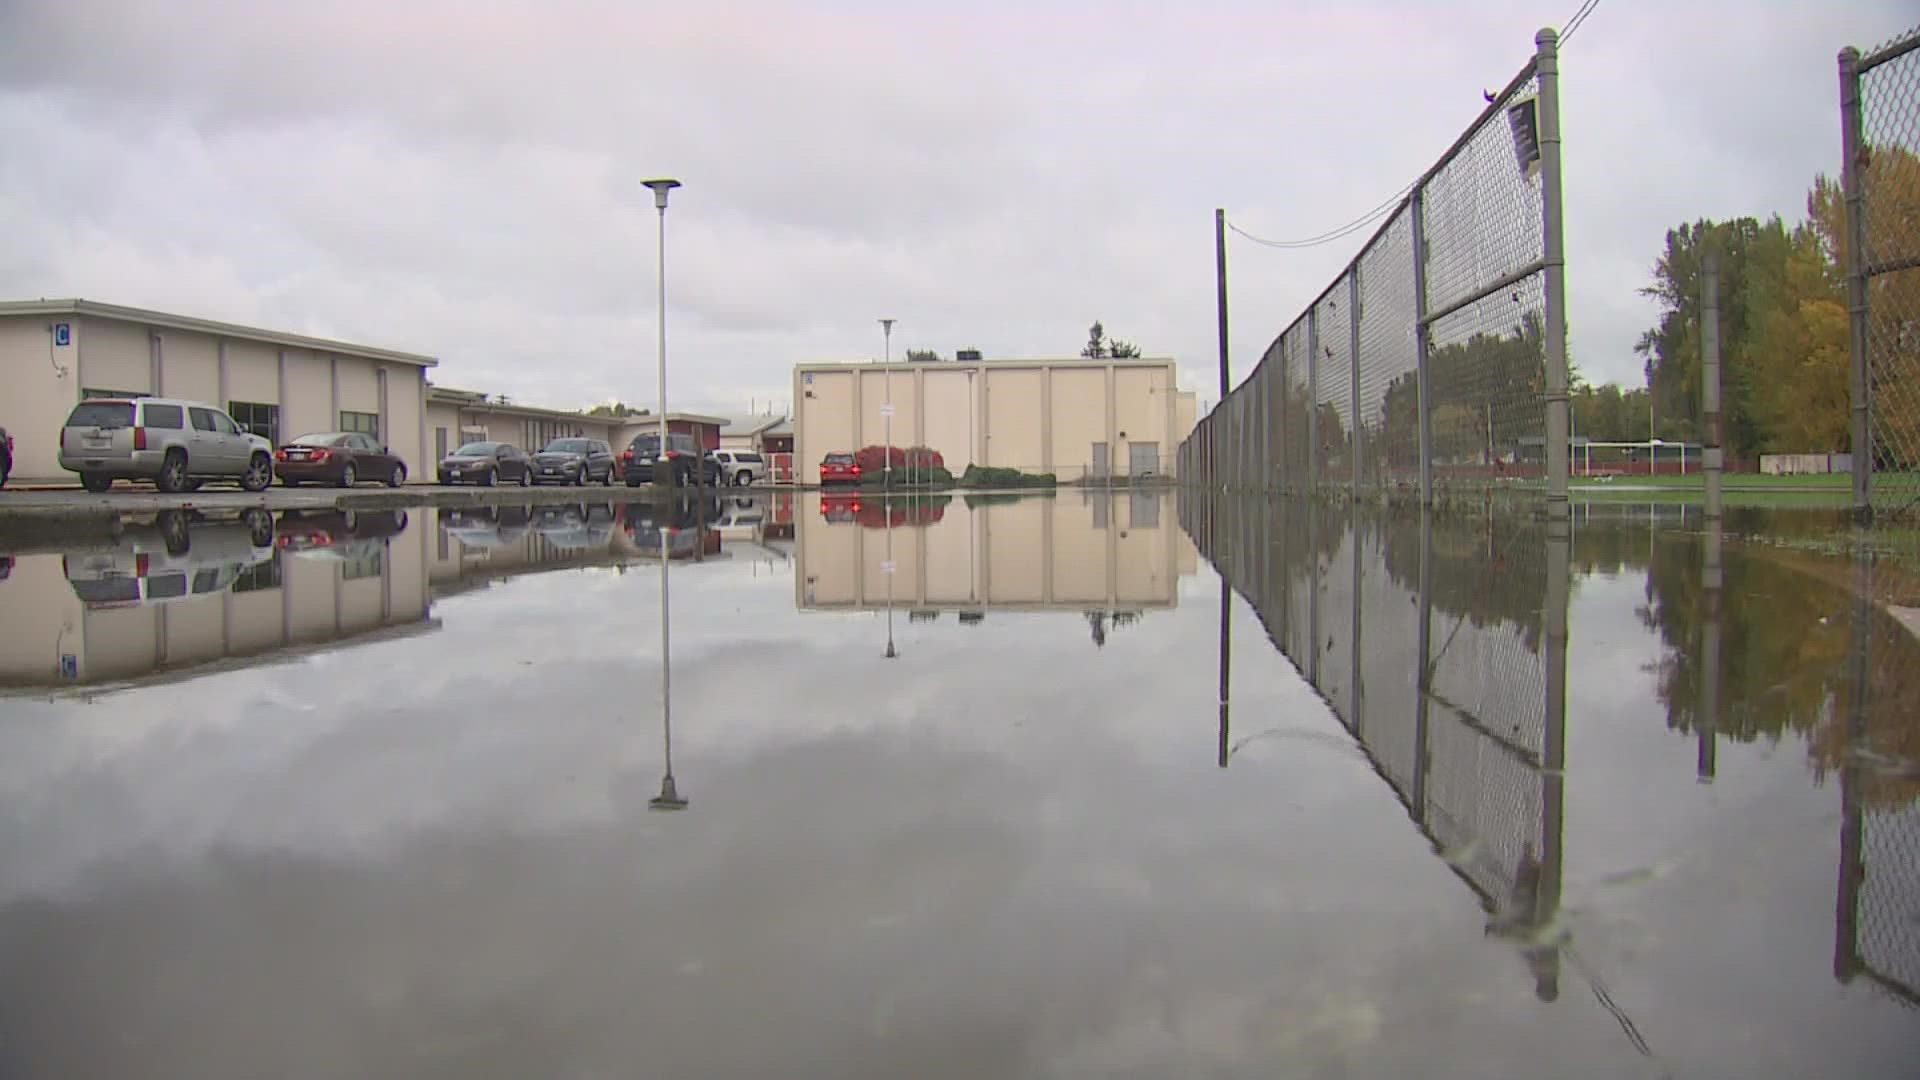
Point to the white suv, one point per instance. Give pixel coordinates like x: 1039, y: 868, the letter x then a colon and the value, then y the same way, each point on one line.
x: 174, y: 443
x: 740, y: 467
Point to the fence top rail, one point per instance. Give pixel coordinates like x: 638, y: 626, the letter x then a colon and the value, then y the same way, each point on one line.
x: 1892, y: 50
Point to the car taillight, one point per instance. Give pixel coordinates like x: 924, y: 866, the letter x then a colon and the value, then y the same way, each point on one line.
x: 279, y: 455
x: 626, y: 455
x: 322, y: 455
x: 139, y: 438
x: 139, y: 566
x: 854, y: 469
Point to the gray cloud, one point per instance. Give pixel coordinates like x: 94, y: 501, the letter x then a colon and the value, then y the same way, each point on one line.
x: 463, y: 180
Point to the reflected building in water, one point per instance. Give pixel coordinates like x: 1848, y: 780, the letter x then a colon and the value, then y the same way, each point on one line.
x: 1105, y: 554
x: 183, y: 592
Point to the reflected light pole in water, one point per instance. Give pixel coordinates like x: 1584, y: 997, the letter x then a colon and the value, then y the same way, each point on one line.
x: 669, y: 797
x: 887, y: 569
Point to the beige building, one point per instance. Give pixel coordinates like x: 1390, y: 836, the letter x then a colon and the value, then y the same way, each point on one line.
x: 1078, y: 419
x: 53, y: 353
x: 460, y: 416
x: 1077, y: 551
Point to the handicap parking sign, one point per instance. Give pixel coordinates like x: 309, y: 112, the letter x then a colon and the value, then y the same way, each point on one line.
x: 62, y: 334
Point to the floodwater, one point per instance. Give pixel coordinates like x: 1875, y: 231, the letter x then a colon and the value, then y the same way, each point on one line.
x: 948, y: 788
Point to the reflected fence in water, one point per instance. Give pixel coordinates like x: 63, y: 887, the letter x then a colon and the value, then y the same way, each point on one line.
x: 1441, y: 643
x: 1441, y: 646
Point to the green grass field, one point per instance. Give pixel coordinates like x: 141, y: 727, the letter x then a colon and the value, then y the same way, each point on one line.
x: 1737, y: 489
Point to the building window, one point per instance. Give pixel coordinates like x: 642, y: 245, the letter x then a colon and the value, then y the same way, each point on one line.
x: 257, y: 418
x: 365, y: 423
x: 363, y: 566
x: 259, y: 576
x: 85, y: 394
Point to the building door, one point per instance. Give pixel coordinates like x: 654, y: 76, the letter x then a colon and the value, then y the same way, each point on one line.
x: 1143, y: 459
x: 1100, y: 464
x: 439, y: 443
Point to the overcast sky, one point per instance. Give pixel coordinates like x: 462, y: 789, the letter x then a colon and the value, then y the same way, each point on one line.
x: 461, y: 179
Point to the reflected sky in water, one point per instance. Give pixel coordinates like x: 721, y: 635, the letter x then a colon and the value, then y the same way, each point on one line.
x: 376, y: 799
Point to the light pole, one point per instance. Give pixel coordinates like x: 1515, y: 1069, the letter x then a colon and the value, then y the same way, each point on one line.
x: 660, y: 189
x: 886, y: 410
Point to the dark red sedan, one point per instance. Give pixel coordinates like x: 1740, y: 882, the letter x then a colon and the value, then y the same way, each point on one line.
x: 337, y: 457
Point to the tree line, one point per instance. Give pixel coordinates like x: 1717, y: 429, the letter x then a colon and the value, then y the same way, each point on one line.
x: 1784, y: 339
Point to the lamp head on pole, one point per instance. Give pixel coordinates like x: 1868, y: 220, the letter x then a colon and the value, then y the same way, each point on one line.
x: 660, y: 189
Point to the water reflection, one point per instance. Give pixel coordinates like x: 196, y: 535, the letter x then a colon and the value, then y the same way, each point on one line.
x: 1106, y: 556
x: 1442, y: 645
x: 185, y: 593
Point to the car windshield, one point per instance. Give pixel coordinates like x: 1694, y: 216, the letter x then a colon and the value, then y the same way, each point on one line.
x: 569, y: 446
x: 839, y: 459
x: 326, y: 438
x: 477, y: 449
x: 106, y: 414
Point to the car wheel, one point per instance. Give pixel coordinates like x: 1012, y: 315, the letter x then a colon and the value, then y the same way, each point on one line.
x: 173, y: 473
x: 608, y: 479
x: 94, y: 482
x: 487, y: 478
x: 259, y: 473
x: 742, y: 478
x: 580, y: 478
x: 259, y: 527
x: 397, y: 477
x: 526, y: 477
x: 349, y: 476
x: 173, y: 532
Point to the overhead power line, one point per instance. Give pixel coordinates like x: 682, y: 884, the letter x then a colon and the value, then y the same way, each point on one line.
x: 1333, y: 234
x: 1341, y: 232
x: 1579, y: 17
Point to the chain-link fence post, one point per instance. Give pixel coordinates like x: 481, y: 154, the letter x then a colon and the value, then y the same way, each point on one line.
x: 1710, y: 460
x: 1423, y: 690
x: 1313, y: 400
x: 1859, y: 385
x: 1354, y: 423
x: 1423, y: 377
x: 1553, y: 752
x: 1553, y: 261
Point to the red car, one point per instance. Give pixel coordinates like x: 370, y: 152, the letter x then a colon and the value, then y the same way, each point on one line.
x: 838, y: 469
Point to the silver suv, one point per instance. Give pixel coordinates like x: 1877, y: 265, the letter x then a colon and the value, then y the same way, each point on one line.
x: 740, y: 467
x: 174, y: 443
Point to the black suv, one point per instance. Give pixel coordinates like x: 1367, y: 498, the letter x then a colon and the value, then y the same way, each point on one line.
x: 638, y: 464
x: 574, y: 461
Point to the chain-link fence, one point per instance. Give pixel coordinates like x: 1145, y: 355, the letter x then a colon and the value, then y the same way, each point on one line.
x: 1435, y: 364
x: 1880, y: 177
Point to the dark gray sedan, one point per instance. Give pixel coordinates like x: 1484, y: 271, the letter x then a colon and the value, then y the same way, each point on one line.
x: 487, y: 464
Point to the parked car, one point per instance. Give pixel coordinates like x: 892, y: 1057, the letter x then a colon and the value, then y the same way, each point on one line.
x: 574, y: 461
x: 337, y: 457
x: 839, y: 468
x: 740, y: 467
x: 487, y: 463
x: 302, y: 531
x: 483, y: 527
x: 683, y: 455
x: 575, y: 528
x: 172, y: 442
x: 180, y: 555
x: 6, y: 456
